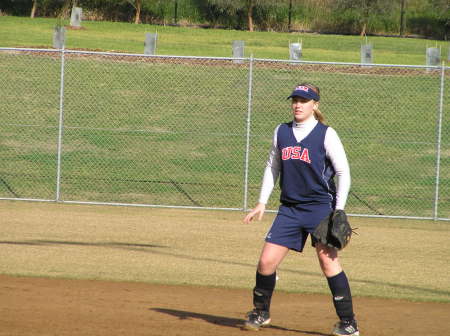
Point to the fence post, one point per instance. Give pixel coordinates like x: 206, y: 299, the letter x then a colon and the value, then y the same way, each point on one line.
x: 60, y: 128
x: 247, y: 146
x: 438, y: 142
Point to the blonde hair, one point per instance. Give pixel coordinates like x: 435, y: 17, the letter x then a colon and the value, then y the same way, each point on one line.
x: 317, y: 113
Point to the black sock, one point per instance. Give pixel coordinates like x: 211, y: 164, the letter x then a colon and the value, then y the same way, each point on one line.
x: 342, y: 297
x: 262, y: 293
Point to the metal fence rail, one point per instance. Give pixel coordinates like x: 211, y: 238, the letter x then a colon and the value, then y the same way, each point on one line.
x: 169, y: 131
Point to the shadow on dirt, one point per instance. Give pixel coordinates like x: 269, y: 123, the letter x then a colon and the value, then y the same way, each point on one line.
x: 165, y: 251
x: 223, y: 321
x: 104, y: 244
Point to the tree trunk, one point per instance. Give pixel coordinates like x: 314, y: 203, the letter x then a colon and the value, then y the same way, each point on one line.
x: 175, y: 14
x: 290, y: 16
x: 365, y: 16
x: 250, y: 15
x: 33, y: 9
x: 402, y: 18
x: 138, y: 11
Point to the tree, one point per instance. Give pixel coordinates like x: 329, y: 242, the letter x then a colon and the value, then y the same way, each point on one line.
x: 364, y: 10
x: 231, y: 7
x: 137, y: 4
x: 33, y: 9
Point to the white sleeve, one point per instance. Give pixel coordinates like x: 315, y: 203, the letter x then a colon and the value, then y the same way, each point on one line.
x: 272, y: 170
x: 336, y: 153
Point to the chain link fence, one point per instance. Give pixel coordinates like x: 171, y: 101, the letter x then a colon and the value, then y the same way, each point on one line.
x: 90, y: 127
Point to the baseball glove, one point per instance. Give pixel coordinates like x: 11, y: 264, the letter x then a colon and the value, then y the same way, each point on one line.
x: 341, y: 230
x: 334, y: 230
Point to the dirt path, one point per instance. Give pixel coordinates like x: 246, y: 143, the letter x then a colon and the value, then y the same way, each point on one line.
x: 39, y: 306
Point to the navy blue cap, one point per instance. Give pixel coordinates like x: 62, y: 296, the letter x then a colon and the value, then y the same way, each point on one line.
x: 304, y: 92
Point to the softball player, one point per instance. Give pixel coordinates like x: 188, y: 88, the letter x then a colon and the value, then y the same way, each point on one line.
x: 306, y: 154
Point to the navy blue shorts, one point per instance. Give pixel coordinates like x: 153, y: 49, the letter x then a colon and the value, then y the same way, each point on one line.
x: 294, y: 223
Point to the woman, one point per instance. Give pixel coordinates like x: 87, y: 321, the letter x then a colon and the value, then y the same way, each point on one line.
x: 307, y: 155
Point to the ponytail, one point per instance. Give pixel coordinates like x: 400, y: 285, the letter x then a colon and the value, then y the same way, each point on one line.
x: 319, y: 116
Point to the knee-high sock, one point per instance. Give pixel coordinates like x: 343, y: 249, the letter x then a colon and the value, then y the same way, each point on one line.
x: 262, y: 293
x: 342, y: 297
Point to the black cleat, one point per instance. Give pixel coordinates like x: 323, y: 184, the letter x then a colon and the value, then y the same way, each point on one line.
x: 346, y: 328
x: 257, y: 319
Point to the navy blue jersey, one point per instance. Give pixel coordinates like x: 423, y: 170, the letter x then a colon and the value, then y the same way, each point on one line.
x: 306, y: 175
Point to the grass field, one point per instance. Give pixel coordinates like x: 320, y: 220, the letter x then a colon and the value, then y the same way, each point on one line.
x: 388, y: 258
x: 190, y: 151
x: 125, y: 37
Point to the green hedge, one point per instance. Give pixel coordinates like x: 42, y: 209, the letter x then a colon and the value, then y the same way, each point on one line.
x: 427, y: 18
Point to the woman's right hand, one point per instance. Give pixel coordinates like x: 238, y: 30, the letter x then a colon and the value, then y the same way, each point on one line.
x: 258, y: 211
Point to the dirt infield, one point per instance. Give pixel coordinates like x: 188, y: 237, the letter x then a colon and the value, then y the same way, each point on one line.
x: 40, y: 306
x: 194, y: 253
